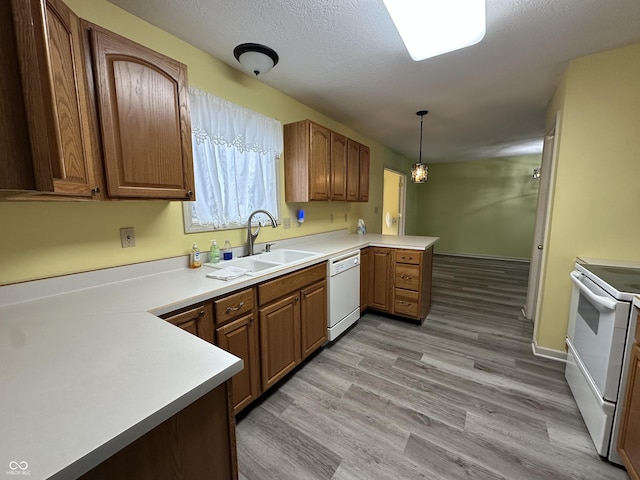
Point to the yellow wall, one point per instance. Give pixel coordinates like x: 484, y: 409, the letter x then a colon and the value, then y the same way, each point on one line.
x: 596, y: 198
x: 43, y: 239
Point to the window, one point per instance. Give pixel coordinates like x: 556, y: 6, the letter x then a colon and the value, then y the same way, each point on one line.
x: 235, y: 162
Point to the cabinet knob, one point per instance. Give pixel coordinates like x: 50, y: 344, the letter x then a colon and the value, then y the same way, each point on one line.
x: 95, y: 190
x: 189, y: 194
x: 202, y: 313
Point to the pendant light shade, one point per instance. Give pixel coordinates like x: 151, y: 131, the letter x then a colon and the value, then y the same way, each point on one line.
x: 420, y: 171
x: 256, y: 58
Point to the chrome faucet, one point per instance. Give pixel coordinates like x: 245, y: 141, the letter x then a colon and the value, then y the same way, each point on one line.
x: 251, y: 236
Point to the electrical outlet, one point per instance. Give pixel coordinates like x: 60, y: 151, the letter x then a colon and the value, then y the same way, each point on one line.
x: 331, y: 218
x: 286, y: 222
x: 127, y: 237
x: 375, y: 210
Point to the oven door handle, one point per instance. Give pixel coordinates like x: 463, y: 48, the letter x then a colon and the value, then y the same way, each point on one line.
x: 601, y: 303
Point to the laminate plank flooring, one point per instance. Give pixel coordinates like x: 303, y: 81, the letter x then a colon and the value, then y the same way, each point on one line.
x: 460, y: 397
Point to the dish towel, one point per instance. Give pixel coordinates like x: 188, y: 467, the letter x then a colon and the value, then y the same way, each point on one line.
x: 228, y: 273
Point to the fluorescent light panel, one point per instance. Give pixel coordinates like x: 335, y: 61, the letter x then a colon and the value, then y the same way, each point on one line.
x: 432, y: 27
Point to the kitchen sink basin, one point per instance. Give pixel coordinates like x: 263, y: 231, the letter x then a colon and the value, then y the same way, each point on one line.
x: 262, y: 262
x: 253, y: 265
x: 284, y: 256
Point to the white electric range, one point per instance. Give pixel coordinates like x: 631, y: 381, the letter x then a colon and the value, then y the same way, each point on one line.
x: 599, y: 338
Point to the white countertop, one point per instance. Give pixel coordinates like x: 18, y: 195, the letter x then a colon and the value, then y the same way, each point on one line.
x: 85, y: 369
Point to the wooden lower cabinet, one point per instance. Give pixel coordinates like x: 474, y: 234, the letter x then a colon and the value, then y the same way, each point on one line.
x: 629, y: 440
x: 197, y: 442
x: 196, y: 320
x: 380, y: 281
x: 239, y: 337
x: 313, y: 317
x: 397, y: 281
x: 365, y: 278
x: 293, y: 320
x: 280, y: 340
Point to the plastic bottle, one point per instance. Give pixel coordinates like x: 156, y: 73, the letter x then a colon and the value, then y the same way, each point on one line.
x: 227, y: 253
x: 196, y: 261
x: 214, y: 253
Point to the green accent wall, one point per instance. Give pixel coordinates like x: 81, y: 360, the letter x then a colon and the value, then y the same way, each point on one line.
x: 482, y: 207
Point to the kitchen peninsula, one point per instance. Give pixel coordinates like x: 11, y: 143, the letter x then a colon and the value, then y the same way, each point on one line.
x: 89, y: 367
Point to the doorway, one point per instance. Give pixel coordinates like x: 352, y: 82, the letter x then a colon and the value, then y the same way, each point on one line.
x: 541, y: 231
x: 393, y: 202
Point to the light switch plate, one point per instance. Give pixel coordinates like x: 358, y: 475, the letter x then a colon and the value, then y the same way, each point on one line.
x: 127, y: 237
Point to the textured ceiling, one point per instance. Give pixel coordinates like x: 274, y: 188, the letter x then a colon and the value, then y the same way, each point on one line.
x: 345, y: 59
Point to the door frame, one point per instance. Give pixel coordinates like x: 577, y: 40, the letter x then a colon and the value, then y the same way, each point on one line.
x: 402, y: 199
x: 531, y: 309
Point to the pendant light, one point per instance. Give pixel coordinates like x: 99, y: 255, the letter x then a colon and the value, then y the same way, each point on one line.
x: 256, y: 58
x: 420, y: 171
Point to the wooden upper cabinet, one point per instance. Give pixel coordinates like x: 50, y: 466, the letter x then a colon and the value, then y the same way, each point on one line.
x: 49, y: 47
x: 322, y: 165
x: 363, y: 177
x: 143, y: 107
x: 338, y: 182
x: 353, y: 170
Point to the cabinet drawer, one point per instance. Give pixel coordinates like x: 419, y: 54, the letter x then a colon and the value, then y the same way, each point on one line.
x: 286, y: 284
x: 195, y: 320
x: 232, y: 306
x: 408, y: 256
x: 406, y: 302
x: 407, y: 276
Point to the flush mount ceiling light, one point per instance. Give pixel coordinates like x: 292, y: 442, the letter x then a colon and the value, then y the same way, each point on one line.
x: 420, y: 171
x: 432, y: 27
x: 255, y: 58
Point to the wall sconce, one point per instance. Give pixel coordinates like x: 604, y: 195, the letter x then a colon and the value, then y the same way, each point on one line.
x: 537, y: 172
x: 256, y: 58
x: 420, y: 171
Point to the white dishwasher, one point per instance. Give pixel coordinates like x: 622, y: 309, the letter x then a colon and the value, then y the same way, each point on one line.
x: 344, y: 293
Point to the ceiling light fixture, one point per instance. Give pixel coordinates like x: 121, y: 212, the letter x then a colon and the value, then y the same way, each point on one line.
x: 420, y: 171
x: 430, y: 28
x: 256, y: 58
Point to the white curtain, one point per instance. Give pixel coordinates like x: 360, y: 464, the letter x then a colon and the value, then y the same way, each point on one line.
x: 235, y: 155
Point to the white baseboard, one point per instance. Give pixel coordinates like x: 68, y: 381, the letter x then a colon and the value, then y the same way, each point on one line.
x: 557, y: 355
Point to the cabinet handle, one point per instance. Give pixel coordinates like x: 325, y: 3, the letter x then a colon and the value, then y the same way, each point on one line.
x: 251, y: 320
x: 202, y: 313
x: 189, y: 194
x: 95, y: 190
x: 233, y: 309
x: 405, y: 277
x: 296, y: 300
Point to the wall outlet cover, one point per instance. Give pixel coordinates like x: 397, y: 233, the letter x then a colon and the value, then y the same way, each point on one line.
x: 127, y: 237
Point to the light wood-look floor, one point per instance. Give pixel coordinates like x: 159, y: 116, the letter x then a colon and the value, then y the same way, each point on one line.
x: 461, y: 396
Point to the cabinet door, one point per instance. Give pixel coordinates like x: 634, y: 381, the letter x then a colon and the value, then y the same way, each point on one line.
x: 381, y: 279
x: 239, y: 338
x: 279, y: 338
x: 49, y: 43
x: 143, y: 106
x: 319, y: 162
x: 198, y: 321
x: 629, y: 440
x: 365, y: 278
x: 313, y: 316
x: 353, y: 170
x: 338, y: 184
x: 363, y: 187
